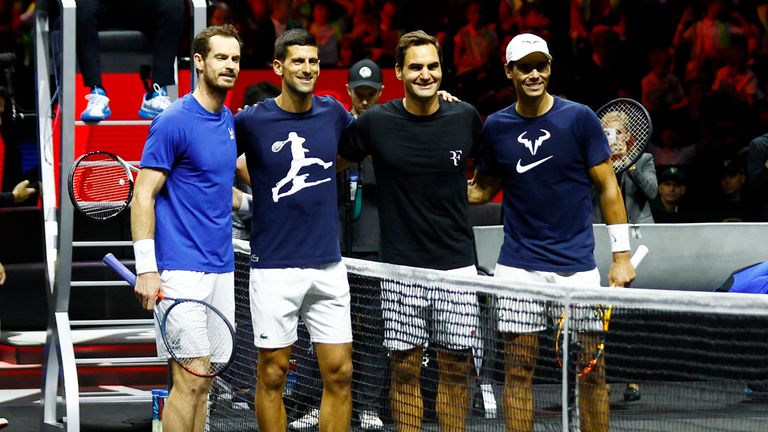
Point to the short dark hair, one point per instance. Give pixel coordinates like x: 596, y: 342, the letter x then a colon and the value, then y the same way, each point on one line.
x: 201, y: 43
x: 258, y: 92
x: 298, y: 36
x: 416, y: 38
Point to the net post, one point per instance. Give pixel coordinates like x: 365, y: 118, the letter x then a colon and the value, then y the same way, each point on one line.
x: 565, y: 360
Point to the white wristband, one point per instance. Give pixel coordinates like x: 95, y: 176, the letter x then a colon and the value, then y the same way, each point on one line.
x: 619, y: 236
x: 144, y: 252
x: 245, y: 204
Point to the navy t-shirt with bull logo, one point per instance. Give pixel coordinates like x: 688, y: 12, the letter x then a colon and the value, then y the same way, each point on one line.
x: 543, y: 163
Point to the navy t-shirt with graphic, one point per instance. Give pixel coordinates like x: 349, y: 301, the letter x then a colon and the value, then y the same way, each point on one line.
x: 292, y: 163
x: 196, y: 148
x: 543, y: 163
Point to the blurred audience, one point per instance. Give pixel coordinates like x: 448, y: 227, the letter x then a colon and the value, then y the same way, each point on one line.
x: 221, y: 14
x: 605, y: 75
x: 474, y: 48
x: 733, y: 201
x: 283, y: 18
x: 661, y: 88
x: 706, y: 61
x: 672, y: 150
x: 258, y: 32
x: 350, y: 51
x: 708, y: 33
x: 757, y: 174
x: 359, y: 21
x: 389, y: 32
x: 734, y: 81
x: 326, y: 32
x: 588, y: 15
x: 475, y: 44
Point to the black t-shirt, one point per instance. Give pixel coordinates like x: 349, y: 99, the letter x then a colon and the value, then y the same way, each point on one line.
x: 421, y: 172
x: 683, y: 214
x: 725, y: 210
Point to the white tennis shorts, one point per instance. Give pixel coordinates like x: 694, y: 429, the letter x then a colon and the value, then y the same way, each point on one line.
x: 320, y: 295
x: 519, y: 315
x: 406, y: 310
x: 216, y: 289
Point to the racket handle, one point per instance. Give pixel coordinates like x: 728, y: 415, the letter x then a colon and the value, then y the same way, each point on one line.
x: 121, y: 270
x: 638, y: 256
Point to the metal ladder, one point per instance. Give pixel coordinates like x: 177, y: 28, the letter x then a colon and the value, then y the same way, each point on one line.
x: 60, y: 373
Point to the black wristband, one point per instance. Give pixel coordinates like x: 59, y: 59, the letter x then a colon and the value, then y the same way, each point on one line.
x: 6, y: 198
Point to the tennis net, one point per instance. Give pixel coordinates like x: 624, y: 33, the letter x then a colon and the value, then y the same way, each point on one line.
x: 694, y: 355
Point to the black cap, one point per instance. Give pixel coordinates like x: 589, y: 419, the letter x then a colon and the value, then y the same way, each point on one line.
x: 365, y: 73
x: 732, y: 167
x: 671, y: 174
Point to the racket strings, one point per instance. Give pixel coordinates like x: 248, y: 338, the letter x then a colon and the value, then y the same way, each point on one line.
x: 630, y: 115
x: 101, y: 185
x: 639, y: 126
x: 585, y: 347
x: 202, y: 349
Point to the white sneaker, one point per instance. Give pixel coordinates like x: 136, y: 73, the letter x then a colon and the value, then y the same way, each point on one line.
x: 152, y: 107
x: 98, y: 106
x: 370, y: 420
x: 310, y: 419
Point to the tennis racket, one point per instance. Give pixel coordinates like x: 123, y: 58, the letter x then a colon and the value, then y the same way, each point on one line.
x: 202, y: 350
x: 101, y: 185
x: 628, y: 127
x: 585, y: 360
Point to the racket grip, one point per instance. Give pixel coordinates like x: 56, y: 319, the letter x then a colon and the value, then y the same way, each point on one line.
x: 638, y: 256
x: 121, y: 270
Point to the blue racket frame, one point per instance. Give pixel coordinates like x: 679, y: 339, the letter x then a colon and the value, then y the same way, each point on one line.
x: 112, y: 262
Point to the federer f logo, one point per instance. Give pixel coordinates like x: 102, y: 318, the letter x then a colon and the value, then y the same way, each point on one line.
x: 533, y: 147
x: 456, y: 156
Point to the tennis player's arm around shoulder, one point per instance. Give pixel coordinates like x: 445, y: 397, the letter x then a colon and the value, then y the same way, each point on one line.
x: 353, y: 143
x: 241, y: 169
x: 148, y: 184
x: 482, y: 188
x: 621, y: 272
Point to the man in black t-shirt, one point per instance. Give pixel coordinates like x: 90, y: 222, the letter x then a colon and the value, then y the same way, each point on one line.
x: 419, y: 147
x: 669, y: 205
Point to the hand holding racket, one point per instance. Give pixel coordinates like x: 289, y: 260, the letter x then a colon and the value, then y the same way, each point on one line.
x: 197, y: 335
x: 101, y: 185
x: 585, y: 360
x: 628, y: 127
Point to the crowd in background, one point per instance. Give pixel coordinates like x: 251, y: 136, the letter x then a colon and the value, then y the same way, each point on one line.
x: 695, y: 65
x: 700, y: 67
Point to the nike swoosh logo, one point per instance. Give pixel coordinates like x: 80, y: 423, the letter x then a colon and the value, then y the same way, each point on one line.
x: 523, y: 168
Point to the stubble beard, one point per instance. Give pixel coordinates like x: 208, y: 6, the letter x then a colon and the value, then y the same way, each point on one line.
x: 421, y: 97
x: 214, y: 86
x: 298, y: 90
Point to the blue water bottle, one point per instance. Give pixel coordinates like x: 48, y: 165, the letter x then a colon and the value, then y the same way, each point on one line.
x: 158, y: 403
x: 291, y: 379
